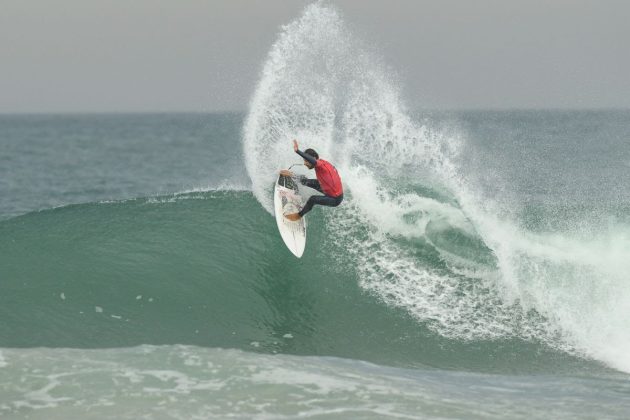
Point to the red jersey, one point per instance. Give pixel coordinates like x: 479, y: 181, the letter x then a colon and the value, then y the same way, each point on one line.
x: 328, y: 178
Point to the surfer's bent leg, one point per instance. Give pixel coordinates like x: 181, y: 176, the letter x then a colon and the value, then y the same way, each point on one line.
x: 311, y: 183
x: 322, y: 200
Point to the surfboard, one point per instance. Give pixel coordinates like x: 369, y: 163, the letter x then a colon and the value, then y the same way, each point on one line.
x: 286, y: 200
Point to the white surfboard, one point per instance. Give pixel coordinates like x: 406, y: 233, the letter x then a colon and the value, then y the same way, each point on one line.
x: 286, y: 200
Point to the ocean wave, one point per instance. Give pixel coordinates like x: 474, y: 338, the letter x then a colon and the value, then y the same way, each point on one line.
x: 214, y: 272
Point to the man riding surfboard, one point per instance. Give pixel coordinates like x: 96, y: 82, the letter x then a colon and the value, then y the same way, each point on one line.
x: 328, y: 182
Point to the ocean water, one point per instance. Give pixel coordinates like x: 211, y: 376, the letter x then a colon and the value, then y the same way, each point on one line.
x: 478, y: 267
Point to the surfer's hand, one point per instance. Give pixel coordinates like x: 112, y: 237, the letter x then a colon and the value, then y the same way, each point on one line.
x: 295, y: 146
x: 286, y: 172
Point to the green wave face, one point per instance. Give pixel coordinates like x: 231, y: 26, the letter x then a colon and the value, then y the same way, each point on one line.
x: 210, y: 269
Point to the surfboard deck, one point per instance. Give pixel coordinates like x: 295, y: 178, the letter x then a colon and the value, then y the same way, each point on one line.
x: 286, y: 200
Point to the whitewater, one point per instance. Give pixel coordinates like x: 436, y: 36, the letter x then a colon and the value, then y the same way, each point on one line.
x: 341, y: 102
x: 477, y: 268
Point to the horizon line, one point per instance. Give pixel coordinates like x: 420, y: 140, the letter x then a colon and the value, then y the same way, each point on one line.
x: 244, y: 111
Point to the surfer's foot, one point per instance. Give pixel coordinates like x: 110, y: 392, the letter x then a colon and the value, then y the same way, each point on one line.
x: 293, y: 217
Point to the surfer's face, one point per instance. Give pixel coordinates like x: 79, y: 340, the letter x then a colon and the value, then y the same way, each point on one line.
x: 308, y: 165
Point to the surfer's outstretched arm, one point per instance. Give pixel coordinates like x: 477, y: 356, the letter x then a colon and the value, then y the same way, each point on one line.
x: 310, y: 159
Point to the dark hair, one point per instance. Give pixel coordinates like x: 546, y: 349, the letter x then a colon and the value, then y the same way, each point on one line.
x: 312, y: 153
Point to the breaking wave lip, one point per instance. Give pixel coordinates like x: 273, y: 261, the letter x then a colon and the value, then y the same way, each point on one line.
x: 184, y: 194
x: 225, y: 185
x: 322, y: 86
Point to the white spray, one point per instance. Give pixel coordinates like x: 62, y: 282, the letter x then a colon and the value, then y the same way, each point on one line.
x: 322, y: 86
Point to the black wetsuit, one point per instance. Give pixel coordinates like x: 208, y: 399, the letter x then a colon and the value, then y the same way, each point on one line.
x: 322, y: 200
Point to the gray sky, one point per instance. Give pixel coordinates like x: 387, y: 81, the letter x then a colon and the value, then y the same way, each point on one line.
x: 193, y: 55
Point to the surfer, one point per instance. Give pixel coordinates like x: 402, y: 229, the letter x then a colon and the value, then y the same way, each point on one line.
x: 328, y: 182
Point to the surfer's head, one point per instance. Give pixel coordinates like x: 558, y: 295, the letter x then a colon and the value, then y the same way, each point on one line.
x: 313, y: 153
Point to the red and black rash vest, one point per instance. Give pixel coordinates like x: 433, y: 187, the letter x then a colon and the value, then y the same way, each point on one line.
x: 327, y: 175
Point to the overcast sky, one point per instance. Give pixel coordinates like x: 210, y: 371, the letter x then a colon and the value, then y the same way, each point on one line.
x: 194, y: 55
